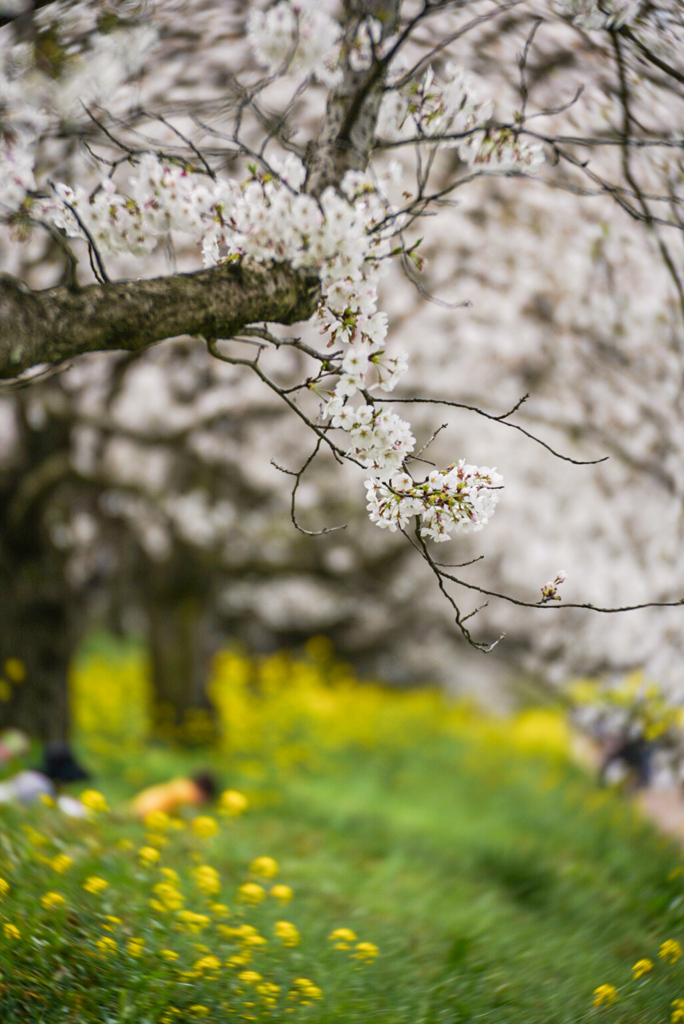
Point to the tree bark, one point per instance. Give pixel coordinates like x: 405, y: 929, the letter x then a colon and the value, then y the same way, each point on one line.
x: 60, y: 323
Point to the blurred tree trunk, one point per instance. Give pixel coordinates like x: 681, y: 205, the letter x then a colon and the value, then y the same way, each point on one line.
x: 180, y: 651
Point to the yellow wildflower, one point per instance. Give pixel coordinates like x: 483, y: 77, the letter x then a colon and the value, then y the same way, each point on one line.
x: 677, y: 1015
x: 207, y: 879
x: 207, y: 963
x: 111, y: 922
x: 156, y: 839
x: 342, y: 937
x: 4, y: 887
x: 287, y: 933
x: 94, y: 801
x: 172, y: 875
x: 249, y: 977
x: 220, y: 910
x: 204, y: 826
x: 670, y: 951
x: 61, y: 863
x: 157, y: 821
x: 233, y: 803
x: 267, y: 867
x: 171, y: 898
x: 604, y: 994
x: 642, y: 967
x: 135, y: 947
x: 94, y: 885
x: 306, y: 990
x: 169, y: 954
x: 15, y: 670
x: 52, y: 900
x: 251, y: 892
x: 106, y: 945
x: 192, y: 921
x: 282, y: 893
x: 366, y: 951
x: 147, y: 855
x: 198, y: 1010
x: 11, y: 931
x: 46, y: 800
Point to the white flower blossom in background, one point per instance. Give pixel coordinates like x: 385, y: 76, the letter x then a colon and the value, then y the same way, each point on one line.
x: 599, y: 14
x: 298, y: 38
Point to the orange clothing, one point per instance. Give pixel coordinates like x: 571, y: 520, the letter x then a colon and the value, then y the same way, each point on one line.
x: 168, y: 797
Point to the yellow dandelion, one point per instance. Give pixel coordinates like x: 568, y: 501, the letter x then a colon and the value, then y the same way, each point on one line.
x: 233, y: 803
x: 192, y: 921
x: 287, y: 933
x: 11, y: 931
x: 251, y: 892
x: 52, y: 900
x: 61, y: 863
x: 670, y: 951
x: 677, y: 1015
x: 642, y: 967
x: 342, y: 937
x: 15, y: 670
x: 170, y: 874
x: 112, y: 922
x: 170, y: 897
x: 95, y: 885
x: 220, y: 910
x: 94, y: 801
x: 604, y: 994
x: 207, y: 879
x: 106, y: 945
x: 267, y: 867
x: 204, y: 826
x: 157, y: 821
x: 4, y: 887
x: 249, y: 977
x: 282, y: 893
x: 147, y: 855
x: 135, y: 947
x: 207, y: 963
x: 46, y: 800
x: 168, y: 954
x: 198, y: 1010
x: 366, y: 951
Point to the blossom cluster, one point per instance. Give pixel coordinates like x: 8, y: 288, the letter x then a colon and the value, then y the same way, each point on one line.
x: 461, y: 498
x: 447, y: 108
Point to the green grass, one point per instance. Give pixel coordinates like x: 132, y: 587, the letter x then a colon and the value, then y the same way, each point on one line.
x: 497, y: 888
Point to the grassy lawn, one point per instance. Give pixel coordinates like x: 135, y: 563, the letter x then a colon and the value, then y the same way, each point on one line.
x: 497, y: 883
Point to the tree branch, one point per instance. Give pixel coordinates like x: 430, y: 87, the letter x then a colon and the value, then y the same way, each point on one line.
x: 60, y: 323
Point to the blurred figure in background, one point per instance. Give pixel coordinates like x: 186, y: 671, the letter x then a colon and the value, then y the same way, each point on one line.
x: 169, y: 797
x: 59, y: 768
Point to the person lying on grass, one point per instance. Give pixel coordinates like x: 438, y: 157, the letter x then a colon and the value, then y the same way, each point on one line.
x: 169, y: 797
